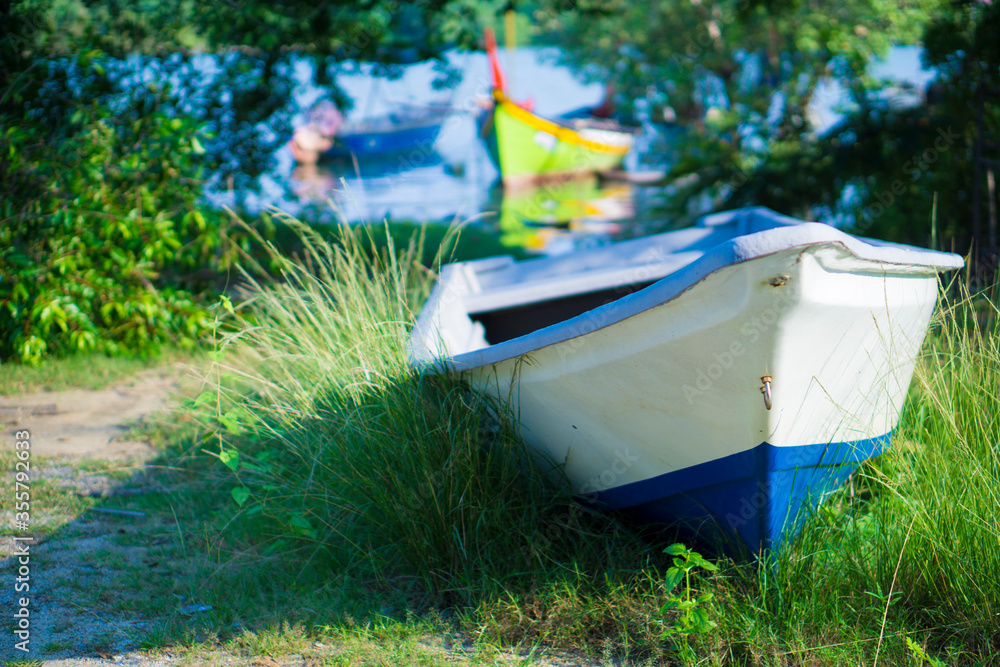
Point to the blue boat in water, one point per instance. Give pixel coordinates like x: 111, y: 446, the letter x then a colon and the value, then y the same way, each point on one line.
x: 389, y: 135
x: 727, y: 376
x: 397, y: 133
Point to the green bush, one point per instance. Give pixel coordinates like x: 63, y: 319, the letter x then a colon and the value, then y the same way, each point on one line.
x: 103, y: 246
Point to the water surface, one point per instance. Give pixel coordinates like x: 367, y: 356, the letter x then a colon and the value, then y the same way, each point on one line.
x: 454, y: 180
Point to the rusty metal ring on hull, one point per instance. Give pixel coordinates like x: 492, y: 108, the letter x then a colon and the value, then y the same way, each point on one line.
x: 766, y: 390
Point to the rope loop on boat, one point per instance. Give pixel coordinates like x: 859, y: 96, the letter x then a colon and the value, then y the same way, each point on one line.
x: 766, y: 390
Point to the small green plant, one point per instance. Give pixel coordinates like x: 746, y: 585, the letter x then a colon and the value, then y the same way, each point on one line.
x: 920, y: 655
x: 55, y: 647
x: 693, y: 613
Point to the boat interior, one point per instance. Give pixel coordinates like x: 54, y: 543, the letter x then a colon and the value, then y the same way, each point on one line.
x: 496, y: 301
x: 512, y: 299
x: 507, y: 323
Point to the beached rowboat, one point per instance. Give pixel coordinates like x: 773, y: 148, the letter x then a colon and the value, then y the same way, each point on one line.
x: 729, y: 375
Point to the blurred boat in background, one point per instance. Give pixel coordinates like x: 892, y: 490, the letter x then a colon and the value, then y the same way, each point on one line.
x: 392, y: 134
x: 528, y: 149
x: 327, y: 136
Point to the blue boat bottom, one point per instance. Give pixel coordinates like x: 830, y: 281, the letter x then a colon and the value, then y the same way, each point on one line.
x: 760, y: 496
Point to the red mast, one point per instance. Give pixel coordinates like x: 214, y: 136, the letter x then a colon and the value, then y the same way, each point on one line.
x: 499, y: 81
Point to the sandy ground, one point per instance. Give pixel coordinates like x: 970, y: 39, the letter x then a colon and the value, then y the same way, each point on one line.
x: 67, y: 427
x: 79, y: 559
x: 89, y: 423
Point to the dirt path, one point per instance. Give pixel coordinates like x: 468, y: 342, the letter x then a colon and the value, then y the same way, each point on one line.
x: 86, y: 566
x: 90, y: 423
x: 68, y: 428
x: 94, y: 574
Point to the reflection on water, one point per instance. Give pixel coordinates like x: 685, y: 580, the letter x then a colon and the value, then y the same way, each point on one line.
x: 549, y: 219
x: 453, y: 179
x: 412, y: 188
x: 559, y: 217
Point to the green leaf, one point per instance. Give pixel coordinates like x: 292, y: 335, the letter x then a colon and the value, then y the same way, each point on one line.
x: 203, y: 397
x: 673, y: 577
x: 229, y: 422
x: 697, y: 559
x: 302, y: 526
x: 256, y: 509
x: 675, y: 549
x: 701, y: 620
x: 231, y: 458
x: 668, y: 605
x: 240, y: 495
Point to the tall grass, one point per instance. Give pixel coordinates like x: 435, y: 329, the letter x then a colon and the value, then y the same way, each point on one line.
x: 387, y: 473
x: 378, y: 473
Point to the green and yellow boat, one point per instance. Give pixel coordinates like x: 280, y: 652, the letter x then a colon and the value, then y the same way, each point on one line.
x: 528, y: 149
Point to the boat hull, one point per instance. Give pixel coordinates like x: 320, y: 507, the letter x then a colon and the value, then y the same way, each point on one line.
x: 753, y: 499
x: 527, y: 149
x: 662, y: 413
x: 419, y: 138
x: 652, y: 400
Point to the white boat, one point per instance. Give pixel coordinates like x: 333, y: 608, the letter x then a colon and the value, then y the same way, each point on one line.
x: 732, y: 373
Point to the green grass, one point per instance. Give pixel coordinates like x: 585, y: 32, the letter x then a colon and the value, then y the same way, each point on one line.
x: 391, y: 475
x: 83, y: 371
x: 440, y: 241
x: 396, y: 519
x: 412, y: 483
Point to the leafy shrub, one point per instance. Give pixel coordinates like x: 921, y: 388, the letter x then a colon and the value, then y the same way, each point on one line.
x: 103, y: 245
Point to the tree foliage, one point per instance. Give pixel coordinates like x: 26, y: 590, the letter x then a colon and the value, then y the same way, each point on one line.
x: 101, y: 232
x: 901, y: 172
x: 383, y: 31
x: 112, y: 115
x: 742, y: 78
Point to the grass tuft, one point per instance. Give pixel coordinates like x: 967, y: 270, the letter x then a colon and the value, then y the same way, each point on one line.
x: 373, y: 467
